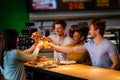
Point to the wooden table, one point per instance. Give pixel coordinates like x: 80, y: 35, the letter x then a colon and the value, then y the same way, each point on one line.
x: 80, y: 72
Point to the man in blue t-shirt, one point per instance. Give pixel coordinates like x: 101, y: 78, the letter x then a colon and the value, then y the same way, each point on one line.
x: 103, y: 53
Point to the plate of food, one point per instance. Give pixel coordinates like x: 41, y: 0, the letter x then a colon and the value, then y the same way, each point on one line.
x: 46, y: 65
x: 68, y: 62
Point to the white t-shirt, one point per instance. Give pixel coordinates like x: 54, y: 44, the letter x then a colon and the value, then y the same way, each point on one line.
x: 68, y: 40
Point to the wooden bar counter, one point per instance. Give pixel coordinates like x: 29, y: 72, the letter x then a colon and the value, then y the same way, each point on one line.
x: 79, y: 72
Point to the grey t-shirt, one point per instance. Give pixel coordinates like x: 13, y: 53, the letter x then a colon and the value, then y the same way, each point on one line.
x: 100, y: 54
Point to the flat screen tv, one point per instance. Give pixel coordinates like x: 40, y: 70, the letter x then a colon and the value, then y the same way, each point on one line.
x: 42, y: 5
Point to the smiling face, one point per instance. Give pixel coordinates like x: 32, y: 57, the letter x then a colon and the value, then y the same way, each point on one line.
x: 77, y: 37
x: 59, y: 29
x: 97, y: 27
x: 92, y: 32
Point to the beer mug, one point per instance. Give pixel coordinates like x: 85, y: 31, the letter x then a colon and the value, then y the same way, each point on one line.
x: 45, y: 42
x: 38, y: 38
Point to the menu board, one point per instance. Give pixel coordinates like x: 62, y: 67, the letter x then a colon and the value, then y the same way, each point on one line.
x: 72, y: 5
x: 81, y: 5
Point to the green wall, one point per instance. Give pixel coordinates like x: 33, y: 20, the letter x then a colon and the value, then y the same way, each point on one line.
x: 13, y: 14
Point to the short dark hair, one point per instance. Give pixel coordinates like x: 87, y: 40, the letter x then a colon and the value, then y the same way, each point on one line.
x: 98, y: 24
x: 62, y: 22
x: 82, y: 32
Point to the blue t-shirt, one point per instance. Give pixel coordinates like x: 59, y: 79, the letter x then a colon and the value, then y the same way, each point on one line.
x: 100, y: 54
x: 14, y: 64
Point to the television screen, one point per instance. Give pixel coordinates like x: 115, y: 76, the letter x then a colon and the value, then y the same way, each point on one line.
x: 42, y: 5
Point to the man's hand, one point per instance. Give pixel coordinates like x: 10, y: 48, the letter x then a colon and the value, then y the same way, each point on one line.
x: 51, y: 46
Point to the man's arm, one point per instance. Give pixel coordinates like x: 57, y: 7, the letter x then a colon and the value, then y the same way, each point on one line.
x: 116, y: 61
x: 67, y: 49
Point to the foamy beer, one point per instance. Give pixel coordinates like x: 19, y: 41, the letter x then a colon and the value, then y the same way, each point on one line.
x: 45, y: 42
x: 38, y: 38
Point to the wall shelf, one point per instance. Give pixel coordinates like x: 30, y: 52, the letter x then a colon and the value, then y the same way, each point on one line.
x: 46, y: 16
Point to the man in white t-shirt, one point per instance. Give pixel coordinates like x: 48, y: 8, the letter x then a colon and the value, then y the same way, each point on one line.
x: 60, y: 38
